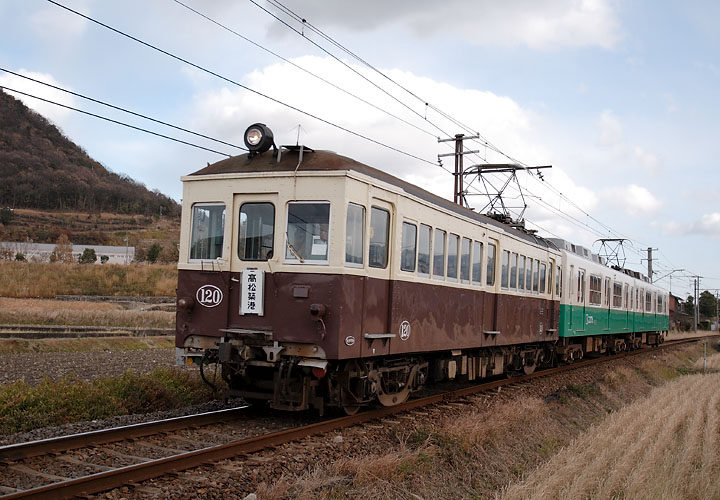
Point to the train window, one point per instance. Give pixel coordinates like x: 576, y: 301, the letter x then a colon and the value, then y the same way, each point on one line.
x: 543, y: 276
x: 477, y: 257
x: 638, y: 303
x: 465, y: 260
x: 504, y: 269
x: 307, y: 232
x: 521, y: 273
x: 490, y: 272
x: 439, y: 254
x: 257, y: 231
x: 409, y: 247
x: 379, y: 235
x: 617, y: 295
x: 558, y: 282
x: 536, y: 280
x: 659, y: 304
x: 208, y: 230
x: 354, y: 235
x: 648, y: 301
x: 452, y: 260
x: 528, y: 276
x: 424, y: 251
x: 595, y: 290
x: 625, y: 296
x: 513, y: 271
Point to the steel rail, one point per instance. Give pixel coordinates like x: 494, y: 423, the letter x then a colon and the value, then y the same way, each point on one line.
x: 49, y: 446
x: 104, y: 481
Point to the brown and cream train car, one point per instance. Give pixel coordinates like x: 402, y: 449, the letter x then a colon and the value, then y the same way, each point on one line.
x: 315, y: 280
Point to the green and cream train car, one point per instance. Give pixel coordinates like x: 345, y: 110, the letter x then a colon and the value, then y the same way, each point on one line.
x: 606, y: 308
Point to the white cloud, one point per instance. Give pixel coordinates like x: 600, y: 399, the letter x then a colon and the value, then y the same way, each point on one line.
x: 225, y: 114
x: 648, y: 160
x: 539, y: 24
x: 610, y: 133
x: 707, y: 224
x: 633, y: 200
x: 55, y: 113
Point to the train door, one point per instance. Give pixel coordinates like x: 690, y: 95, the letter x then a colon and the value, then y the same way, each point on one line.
x: 581, y: 321
x: 377, y: 291
x: 490, y: 320
x: 626, y: 305
x: 254, y: 242
x: 552, y: 276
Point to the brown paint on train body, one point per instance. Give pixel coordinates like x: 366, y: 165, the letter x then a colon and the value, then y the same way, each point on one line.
x: 440, y: 317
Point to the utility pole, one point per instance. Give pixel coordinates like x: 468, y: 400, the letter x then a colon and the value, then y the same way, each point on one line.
x: 650, y: 261
x: 696, y: 316
x: 459, y: 188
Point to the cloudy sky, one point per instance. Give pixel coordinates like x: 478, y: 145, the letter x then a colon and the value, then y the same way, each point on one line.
x: 621, y: 98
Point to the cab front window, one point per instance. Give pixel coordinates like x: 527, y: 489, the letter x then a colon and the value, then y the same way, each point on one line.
x: 257, y: 227
x: 207, y: 233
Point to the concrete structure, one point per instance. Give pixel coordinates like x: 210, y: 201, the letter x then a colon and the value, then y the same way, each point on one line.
x: 40, y: 252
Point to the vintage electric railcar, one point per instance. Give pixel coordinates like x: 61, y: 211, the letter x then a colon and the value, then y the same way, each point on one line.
x: 315, y: 281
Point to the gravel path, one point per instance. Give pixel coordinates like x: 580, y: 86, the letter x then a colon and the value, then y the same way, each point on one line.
x: 84, y: 365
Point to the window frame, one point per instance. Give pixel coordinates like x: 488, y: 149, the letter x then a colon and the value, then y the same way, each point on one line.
x: 192, y: 230
x: 355, y: 265
x: 387, y: 236
x: 434, y: 275
x: 296, y: 261
x: 429, y: 250
x: 272, y: 248
x: 402, y: 246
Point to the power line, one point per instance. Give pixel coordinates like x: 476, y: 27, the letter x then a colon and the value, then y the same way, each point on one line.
x: 302, y: 34
x: 123, y: 109
x: 305, y: 70
x: 115, y: 121
x: 233, y: 82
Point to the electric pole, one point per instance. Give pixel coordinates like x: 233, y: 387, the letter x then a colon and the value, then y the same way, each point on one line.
x: 650, y: 261
x: 458, y: 190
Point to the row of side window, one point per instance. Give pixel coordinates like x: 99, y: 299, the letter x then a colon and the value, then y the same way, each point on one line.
x: 525, y: 274
x: 621, y: 294
x: 429, y: 251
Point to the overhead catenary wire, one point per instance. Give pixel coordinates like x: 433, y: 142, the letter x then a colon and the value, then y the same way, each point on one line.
x: 117, y: 122
x: 245, y: 87
x: 481, y: 140
x: 305, y: 70
x: 140, y: 115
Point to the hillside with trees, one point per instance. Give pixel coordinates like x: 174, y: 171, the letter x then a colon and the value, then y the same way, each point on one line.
x: 42, y: 169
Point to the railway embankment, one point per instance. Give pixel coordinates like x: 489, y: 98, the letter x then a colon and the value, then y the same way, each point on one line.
x: 489, y: 444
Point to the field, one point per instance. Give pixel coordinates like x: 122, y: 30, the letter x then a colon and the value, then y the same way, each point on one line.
x: 79, y: 313
x: 25, y: 280
x: 664, y: 446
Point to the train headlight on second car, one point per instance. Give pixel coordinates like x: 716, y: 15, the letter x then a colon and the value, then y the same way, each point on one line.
x: 258, y: 138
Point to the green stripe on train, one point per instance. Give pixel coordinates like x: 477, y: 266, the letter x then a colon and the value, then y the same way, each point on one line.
x: 580, y: 321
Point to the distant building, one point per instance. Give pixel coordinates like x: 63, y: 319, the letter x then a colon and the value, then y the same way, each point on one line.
x: 40, y: 252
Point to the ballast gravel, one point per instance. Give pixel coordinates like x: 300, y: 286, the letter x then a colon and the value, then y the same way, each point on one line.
x: 33, y: 367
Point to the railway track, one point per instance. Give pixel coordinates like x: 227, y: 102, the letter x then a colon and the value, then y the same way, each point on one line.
x: 65, y: 332
x: 182, y: 460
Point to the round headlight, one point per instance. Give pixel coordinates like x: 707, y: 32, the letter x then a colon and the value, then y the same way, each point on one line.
x: 258, y: 138
x: 253, y: 136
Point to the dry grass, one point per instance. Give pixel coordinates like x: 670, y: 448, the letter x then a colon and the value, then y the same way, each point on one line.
x: 51, y: 312
x: 26, y: 279
x: 665, y: 446
x: 88, y: 344
x: 497, y: 441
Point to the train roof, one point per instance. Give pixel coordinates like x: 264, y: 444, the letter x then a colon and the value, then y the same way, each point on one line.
x: 329, y: 161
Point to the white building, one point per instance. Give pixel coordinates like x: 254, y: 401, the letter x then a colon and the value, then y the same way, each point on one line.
x: 40, y: 252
